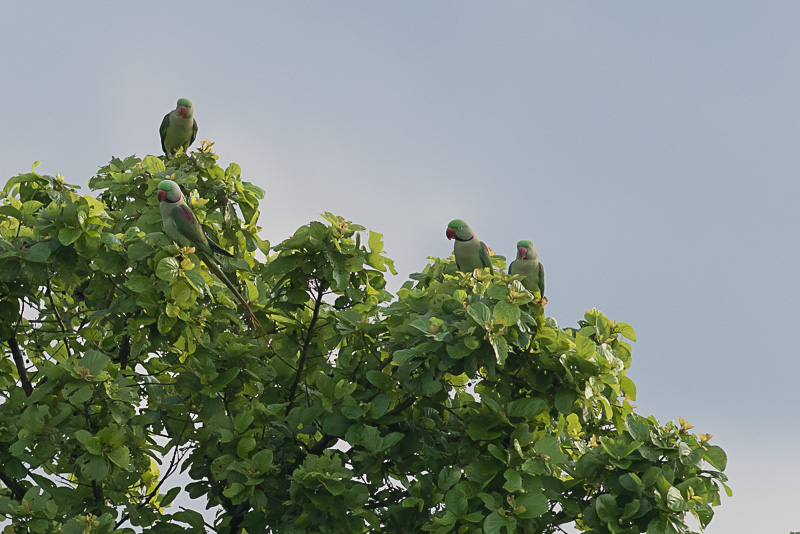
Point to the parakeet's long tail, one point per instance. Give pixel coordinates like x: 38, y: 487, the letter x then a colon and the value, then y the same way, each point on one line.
x: 212, y: 265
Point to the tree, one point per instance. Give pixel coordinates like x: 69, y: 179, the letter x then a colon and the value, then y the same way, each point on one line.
x: 453, y: 406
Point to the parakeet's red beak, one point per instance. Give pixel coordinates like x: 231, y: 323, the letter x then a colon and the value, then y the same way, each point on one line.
x: 523, y: 252
x: 181, y: 110
x: 450, y: 233
x: 162, y: 195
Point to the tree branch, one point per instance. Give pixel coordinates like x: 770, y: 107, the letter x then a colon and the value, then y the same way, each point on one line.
x: 99, y: 498
x: 124, y: 352
x: 17, y: 489
x: 306, y: 344
x: 402, y: 406
x: 236, y: 512
x: 19, y: 361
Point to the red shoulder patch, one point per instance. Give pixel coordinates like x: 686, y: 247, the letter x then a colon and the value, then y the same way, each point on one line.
x: 186, y: 214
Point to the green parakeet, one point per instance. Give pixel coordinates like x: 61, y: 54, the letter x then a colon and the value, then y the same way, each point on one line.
x: 471, y: 253
x: 178, y: 129
x: 182, y: 226
x: 528, y: 267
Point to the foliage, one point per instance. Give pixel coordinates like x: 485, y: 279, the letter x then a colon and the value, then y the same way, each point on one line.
x: 454, y: 406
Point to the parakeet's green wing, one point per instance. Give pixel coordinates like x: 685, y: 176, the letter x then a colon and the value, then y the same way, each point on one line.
x: 485, y: 261
x: 194, y: 134
x: 541, y: 278
x: 163, y: 131
x: 188, y: 226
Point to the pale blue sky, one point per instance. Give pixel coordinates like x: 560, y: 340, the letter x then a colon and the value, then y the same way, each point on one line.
x: 649, y: 151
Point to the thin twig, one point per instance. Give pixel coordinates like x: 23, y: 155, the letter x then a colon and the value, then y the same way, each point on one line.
x: 306, y: 345
x: 58, y: 316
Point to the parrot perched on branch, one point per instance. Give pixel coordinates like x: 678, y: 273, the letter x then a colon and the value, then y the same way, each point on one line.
x: 178, y: 129
x: 528, y: 267
x: 182, y: 226
x: 471, y: 253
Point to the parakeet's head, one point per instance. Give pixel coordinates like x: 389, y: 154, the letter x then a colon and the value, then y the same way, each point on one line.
x: 459, y: 230
x: 525, y: 250
x: 169, y: 191
x: 185, y: 107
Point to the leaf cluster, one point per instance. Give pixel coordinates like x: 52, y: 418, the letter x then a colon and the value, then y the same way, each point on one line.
x: 454, y: 406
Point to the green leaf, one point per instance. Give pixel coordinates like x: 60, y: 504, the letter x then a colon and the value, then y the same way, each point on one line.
x: 628, y: 387
x: 38, y: 253
x: 716, y: 457
x: 153, y: 165
x: 660, y: 525
x: 458, y: 351
x: 530, y: 505
x: 167, y: 498
x: 233, y: 490
x: 456, y: 502
x: 497, y: 292
x: 94, y: 468
x: 139, y: 251
x: 83, y: 436
x: 494, y: 523
x: 138, y: 283
x: 675, y: 501
x: 243, y: 420
x: 353, y: 412
x: 630, y: 509
x: 357, y: 496
x: 80, y: 395
x: 651, y: 476
x: 120, y: 456
x: 513, y: 480
x: 527, y: 408
x: 165, y: 323
x: 30, y: 207
x: 12, y: 212
x: 689, y: 456
x: 182, y: 293
x: 565, y: 398
x: 366, y: 436
x: 550, y: 446
x: 403, y: 356
x: 68, y: 236
x: 224, y: 378
x: 95, y: 362
x: 336, y: 425
x: 168, y: 269
x: 448, y: 477
x: 500, y: 346
x: 632, y: 483
x: 625, y: 330
x: 262, y: 461
x: 33, y: 418
x: 480, y: 313
x: 380, y: 380
x: 472, y: 343
x: 375, y: 242
x: 506, y: 313
x: 638, y: 427
x: 245, y: 445
x: 606, y: 508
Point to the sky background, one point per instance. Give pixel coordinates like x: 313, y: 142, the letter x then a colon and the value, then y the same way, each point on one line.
x: 649, y: 150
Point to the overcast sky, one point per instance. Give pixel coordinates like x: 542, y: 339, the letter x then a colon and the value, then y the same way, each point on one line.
x: 649, y: 150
